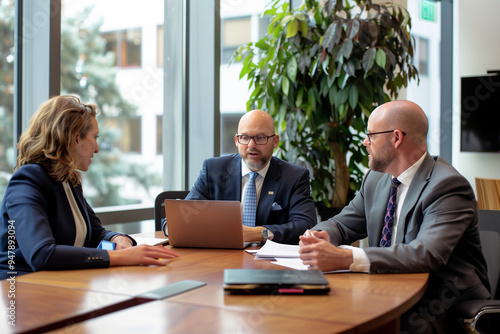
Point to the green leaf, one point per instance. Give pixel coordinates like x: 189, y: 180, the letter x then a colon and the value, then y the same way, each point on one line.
x: 338, y: 33
x: 292, y: 28
x: 342, y: 111
x: 352, y: 28
x: 311, y: 99
x: 332, y: 75
x: 342, y: 80
x: 285, y: 85
x: 301, y: 16
x: 313, y: 67
x: 327, y: 41
x: 365, y: 110
x: 353, y: 96
x: 271, y: 53
x: 380, y: 58
x: 374, y: 30
x: 332, y: 94
x: 369, y: 59
x: 262, y: 44
x: 324, y: 88
x: 390, y: 57
x: 300, y: 95
x: 347, y: 48
x: 325, y: 63
x: 349, y: 69
x: 282, y: 111
x: 336, y: 52
x: 287, y: 19
x: 291, y: 68
x: 341, y: 98
x: 304, y: 28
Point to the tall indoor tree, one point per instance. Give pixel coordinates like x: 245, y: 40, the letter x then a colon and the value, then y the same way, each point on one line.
x: 320, y: 71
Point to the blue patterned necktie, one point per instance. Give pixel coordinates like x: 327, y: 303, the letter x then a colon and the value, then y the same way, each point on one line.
x: 385, y: 241
x: 250, y: 204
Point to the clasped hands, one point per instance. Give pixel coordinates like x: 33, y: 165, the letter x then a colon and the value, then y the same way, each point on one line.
x: 316, y: 251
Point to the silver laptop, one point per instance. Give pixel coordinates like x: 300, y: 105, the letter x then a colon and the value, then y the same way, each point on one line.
x: 204, y: 224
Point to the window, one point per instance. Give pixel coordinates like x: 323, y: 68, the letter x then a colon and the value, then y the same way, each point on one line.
x: 6, y: 93
x: 235, y: 32
x: 241, y: 23
x: 422, y: 46
x: 97, y: 52
x: 126, y: 45
x: 229, y: 128
x: 159, y: 46
x: 128, y: 134
x: 159, y: 134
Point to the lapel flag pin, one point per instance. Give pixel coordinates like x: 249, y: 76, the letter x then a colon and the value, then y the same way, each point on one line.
x: 271, y: 192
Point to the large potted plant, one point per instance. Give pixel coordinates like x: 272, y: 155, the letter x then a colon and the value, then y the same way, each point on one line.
x: 320, y: 71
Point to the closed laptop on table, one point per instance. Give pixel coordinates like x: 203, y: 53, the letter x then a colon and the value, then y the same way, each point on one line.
x: 204, y: 223
x: 268, y: 281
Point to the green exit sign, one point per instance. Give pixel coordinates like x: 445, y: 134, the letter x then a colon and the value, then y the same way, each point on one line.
x: 428, y: 10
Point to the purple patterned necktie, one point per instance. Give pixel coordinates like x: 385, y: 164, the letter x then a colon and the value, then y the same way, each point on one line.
x: 385, y: 241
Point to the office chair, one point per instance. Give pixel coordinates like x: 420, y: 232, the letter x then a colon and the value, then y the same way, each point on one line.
x: 160, y: 204
x: 472, y: 311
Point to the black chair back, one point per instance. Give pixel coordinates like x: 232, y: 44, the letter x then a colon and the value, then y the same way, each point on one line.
x: 160, y: 204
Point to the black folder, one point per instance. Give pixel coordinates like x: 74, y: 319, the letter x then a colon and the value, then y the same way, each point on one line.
x: 260, y: 281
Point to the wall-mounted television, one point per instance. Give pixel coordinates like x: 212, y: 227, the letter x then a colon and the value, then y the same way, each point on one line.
x: 480, y: 114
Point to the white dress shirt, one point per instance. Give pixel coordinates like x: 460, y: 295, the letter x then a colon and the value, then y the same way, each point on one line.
x: 245, y: 171
x: 80, y: 225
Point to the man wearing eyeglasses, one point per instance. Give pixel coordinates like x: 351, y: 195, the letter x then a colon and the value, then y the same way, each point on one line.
x: 419, y: 215
x: 284, y: 206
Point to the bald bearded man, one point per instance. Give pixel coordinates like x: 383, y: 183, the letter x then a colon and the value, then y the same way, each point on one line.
x: 285, y: 209
x: 433, y: 224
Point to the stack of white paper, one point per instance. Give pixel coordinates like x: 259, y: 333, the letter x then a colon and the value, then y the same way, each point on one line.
x: 283, y: 255
x: 273, y: 249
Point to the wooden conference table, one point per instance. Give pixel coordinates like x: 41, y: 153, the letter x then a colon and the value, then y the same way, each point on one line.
x: 99, y: 300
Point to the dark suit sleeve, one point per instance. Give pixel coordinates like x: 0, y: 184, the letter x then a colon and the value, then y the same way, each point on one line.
x: 45, y: 237
x: 301, y: 211
x: 350, y: 224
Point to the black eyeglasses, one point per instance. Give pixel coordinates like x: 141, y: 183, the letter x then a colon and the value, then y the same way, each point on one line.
x: 369, y: 134
x: 259, y: 140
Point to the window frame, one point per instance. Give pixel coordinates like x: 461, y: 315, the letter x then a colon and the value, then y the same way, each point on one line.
x: 188, y: 42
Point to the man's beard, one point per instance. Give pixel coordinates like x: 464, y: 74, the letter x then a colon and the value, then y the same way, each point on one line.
x: 258, y: 165
x: 380, y: 162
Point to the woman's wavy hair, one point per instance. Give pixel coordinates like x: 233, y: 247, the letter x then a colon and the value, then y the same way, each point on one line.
x: 49, y: 139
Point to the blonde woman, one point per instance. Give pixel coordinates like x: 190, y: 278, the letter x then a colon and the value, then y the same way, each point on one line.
x: 46, y: 223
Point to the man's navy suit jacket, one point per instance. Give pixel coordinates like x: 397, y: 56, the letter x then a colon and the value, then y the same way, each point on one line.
x: 285, y: 204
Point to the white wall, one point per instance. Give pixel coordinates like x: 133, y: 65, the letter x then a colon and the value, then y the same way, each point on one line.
x: 426, y: 93
x: 476, y: 49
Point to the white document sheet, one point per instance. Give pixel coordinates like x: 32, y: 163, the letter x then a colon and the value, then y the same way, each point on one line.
x: 275, y: 250
x: 293, y: 263
x: 150, y: 241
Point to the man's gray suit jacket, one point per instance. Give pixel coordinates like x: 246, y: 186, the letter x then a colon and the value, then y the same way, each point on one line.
x: 437, y: 231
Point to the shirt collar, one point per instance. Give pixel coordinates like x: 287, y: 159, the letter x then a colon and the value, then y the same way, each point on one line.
x: 245, y: 170
x: 407, y: 176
